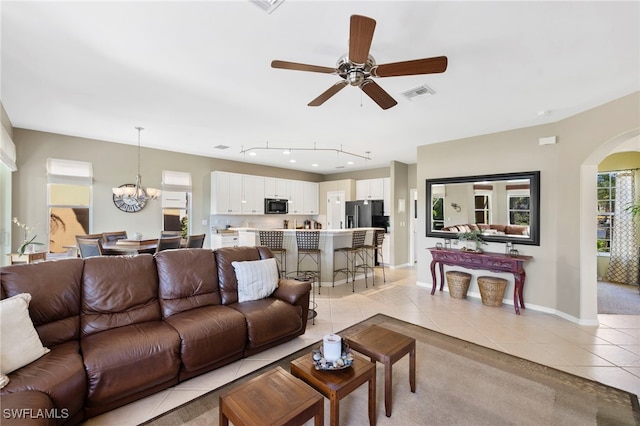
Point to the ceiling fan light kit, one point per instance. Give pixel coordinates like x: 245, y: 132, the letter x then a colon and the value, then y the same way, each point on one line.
x: 358, y: 67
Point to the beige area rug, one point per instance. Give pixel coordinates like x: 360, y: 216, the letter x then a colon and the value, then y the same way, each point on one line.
x: 458, y: 383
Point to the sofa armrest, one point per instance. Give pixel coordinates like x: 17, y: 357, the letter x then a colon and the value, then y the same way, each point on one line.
x: 291, y: 291
x: 27, y: 407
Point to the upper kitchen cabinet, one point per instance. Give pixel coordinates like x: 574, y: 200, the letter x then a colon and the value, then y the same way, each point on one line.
x: 370, y: 189
x: 276, y: 188
x: 252, y: 194
x: 387, y: 197
x: 226, y: 193
x: 311, y: 198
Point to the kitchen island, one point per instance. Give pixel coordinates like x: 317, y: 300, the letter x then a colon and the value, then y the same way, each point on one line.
x: 330, y: 239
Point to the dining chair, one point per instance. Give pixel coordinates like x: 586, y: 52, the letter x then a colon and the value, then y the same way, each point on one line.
x: 114, y: 236
x: 195, y: 241
x: 166, y: 243
x: 169, y: 233
x: 89, y: 247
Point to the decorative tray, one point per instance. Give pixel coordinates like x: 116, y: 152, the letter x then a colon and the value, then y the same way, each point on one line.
x: 341, y: 363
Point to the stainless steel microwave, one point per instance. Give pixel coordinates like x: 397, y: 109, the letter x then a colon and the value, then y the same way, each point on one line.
x: 276, y: 206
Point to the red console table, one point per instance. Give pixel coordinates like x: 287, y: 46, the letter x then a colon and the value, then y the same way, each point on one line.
x: 494, y: 262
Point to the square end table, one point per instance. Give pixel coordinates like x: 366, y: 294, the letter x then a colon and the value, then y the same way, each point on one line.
x: 273, y: 398
x: 387, y: 347
x: 336, y: 384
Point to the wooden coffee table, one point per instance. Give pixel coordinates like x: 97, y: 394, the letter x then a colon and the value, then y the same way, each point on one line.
x: 386, y: 346
x: 336, y: 384
x: 273, y: 398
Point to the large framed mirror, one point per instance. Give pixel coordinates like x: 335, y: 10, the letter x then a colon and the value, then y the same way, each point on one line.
x: 504, y: 207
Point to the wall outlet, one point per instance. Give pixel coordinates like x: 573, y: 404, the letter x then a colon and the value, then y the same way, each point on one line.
x: 204, y: 222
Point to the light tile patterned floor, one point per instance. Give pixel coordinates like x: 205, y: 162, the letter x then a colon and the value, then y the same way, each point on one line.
x: 609, y: 353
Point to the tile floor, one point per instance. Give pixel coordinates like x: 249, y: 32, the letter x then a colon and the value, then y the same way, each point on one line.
x: 609, y: 353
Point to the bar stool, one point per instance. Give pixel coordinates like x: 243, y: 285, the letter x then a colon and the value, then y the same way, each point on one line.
x: 308, y: 243
x: 352, y: 254
x: 273, y: 241
x: 374, y: 252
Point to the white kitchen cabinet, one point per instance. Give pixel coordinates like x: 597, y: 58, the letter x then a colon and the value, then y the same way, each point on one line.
x: 276, y: 188
x: 252, y: 194
x: 226, y: 193
x: 296, y: 197
x: 387, y: 196
x: 224, y: 240
x: 370, y: 189
x: 311, y: 198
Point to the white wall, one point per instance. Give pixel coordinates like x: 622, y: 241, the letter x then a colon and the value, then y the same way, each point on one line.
x: 562, y: 276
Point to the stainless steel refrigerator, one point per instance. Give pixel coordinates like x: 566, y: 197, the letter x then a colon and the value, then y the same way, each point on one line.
x: 361, y: 215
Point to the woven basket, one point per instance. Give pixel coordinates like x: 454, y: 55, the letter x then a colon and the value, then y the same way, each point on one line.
x: 492, y: 290
x: 458, y: 283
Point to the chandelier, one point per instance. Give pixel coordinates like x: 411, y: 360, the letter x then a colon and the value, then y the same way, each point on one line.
x: 137, y: 192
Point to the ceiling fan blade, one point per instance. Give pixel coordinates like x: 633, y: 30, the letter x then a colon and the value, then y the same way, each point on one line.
x: 360, y: 36
x: 301, y: 67
x: 378, y: 94
x: 328, y: 93
x: 415, y: 67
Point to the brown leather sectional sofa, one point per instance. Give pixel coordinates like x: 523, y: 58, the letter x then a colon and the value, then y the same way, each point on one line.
x: 124, y: 327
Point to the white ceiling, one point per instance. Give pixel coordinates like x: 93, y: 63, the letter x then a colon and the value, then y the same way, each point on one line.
x: 197, y: 74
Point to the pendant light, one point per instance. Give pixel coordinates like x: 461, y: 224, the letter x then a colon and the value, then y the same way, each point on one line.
x: 137, y: 192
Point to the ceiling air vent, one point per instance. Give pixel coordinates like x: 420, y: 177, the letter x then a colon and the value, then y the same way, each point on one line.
x: 221, y: 147
x: 267, y: 5
x: 420, y: 92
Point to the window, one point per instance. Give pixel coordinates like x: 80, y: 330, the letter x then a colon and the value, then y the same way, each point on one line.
x: 176, y: 202
x: 519, y: 208
x: 69, y: 201
x: 482, y: 207
x: 438, y: 212
x: 437, y: 206
x: 606, y: 207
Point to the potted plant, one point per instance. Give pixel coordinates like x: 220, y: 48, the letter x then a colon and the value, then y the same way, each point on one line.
x: 474, y: 237
x: 27, y: 245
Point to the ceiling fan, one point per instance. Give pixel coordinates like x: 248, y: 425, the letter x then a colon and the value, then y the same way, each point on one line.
x: 357, y: 67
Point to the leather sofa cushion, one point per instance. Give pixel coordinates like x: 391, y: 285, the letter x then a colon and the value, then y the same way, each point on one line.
x: 208, y: 335
x: 516, y: 230
x: 118, y: 291
x: 188, y: 279
x: 26, y: 400
x: 128, y: 360
x: 269, y: 319
x: 226, y: 273
x: 59, y: 374
x: 55, y: 296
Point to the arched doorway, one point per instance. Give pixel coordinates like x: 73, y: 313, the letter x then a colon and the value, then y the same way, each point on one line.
x: 588, y: 258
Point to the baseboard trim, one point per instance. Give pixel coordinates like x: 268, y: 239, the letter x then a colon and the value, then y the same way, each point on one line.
x: 530, y: 306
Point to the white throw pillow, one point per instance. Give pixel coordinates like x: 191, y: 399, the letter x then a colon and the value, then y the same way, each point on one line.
x: 257, y: 279
x: 19, y: 341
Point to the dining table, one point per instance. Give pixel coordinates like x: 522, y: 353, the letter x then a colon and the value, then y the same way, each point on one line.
x: 130, y: 246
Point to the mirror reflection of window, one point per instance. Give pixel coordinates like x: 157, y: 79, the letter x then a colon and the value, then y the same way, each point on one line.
x: 437, y: 208
x: 482, y: 211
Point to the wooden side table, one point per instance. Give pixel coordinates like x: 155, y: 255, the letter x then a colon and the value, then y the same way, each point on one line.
x: 273, y: 398
x: 15, y: 258
x: 387, y: 347
x: 337, y: 384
